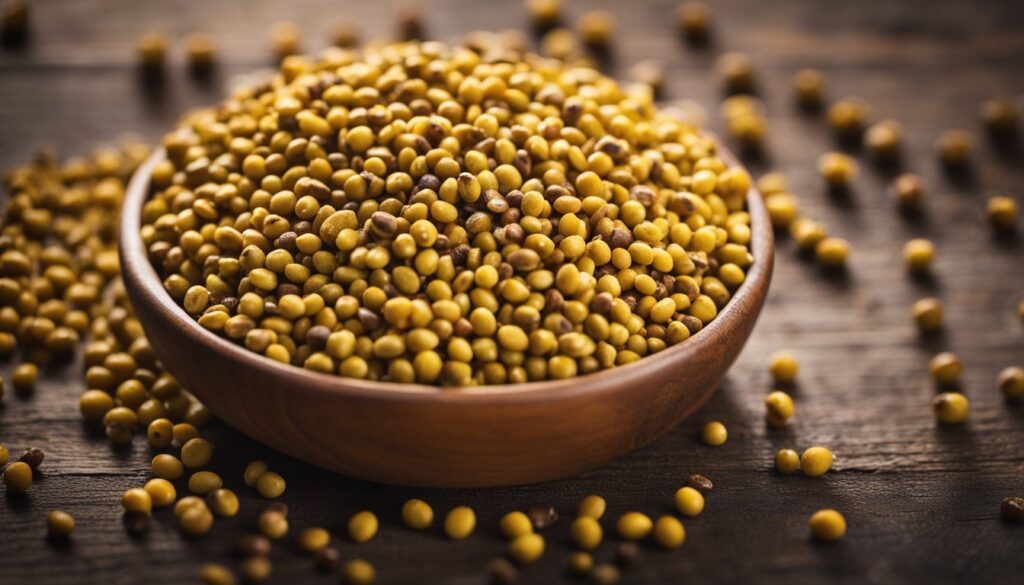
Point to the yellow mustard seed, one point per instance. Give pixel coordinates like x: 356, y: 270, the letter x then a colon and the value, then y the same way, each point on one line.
x: 168, y: 467
x: 586, y: 532
x: 954, y: 149
x: 160, y: 433
x: 253, y: 472
x: 196, y: 521
x: 24, y: 377
x: 848, y: 116
x: 256, y: 568
x: 689, y: 501
x: 669, y: 532
x: 526, y: 549
x: 809, y: 88
x: 634, y: 526
x: 214, y: 574
x: 832, y: 252
x: 927, y: 313
x: 592, y: 506
x: 919, y: 254
x: 946, y: 368
x: 827, y: 525
x: 816, y: 461
x: 313, y: 539
x: 196, y: 453
x: 837, y: 169
x: 273, y: 524
x: 417, y: 514
x: 204, y: 482
x: 161, y: 492
x: 94, y: 404
x: 787, y: 461
x: 778, y: 408
x: 460, y: 522
x: 999, y: 116
x: 694, y: 20
x: 1002, y: 212
x: 362, y: 526
x: 223, y: 502
x: 783, y: 367
x: 137, y: 501
x: 714, y: 433
x: 951, y: 408
x: 515, y: 524
x: 17, y: 477
x: 358, y: 572
x: 580, y: 563
x: 884, y: 139
x: 59, y: 524
x: 270, y: 485
x: 187, y: 503
x: 4, y: 455
x: 1010, y: 382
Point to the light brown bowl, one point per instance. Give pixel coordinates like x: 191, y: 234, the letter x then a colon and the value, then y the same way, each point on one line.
x: 420, y: 435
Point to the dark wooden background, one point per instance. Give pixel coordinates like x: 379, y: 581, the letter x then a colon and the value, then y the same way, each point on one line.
x: 922, y: 502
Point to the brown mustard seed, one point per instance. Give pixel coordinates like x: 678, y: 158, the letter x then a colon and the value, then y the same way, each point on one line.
x: 700, y: 483
x: 502, y: 572
x: 1013, y: 509
x: 627, y: 554
x: 954, y: 149
x: 33, y: 457
x: 542, y: 517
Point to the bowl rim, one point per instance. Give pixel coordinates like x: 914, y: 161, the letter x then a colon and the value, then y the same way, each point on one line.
x: 138, y: 274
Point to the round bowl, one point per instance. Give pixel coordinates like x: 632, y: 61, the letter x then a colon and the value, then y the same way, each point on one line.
x: 420, y: 435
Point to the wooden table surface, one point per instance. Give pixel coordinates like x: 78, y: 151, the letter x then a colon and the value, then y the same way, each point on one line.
x: 922, y: 501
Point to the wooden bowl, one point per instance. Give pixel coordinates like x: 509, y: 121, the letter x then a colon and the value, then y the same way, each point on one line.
x: 421, y: 435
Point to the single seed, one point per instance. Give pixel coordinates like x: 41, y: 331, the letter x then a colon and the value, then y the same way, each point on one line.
x: 273, y: 524
x: 816, y: 461
x: 270, y: 485
x: 417, y: 514
x: 1013, y: 509
x: 693, y: 19
x: 604, y: 574
x: 700, y: 483
x: 459, y: 523
x: 161, y: 492
x: 137, y: 501
x: 1011, y: 382
x: 580, y: 563
x: 832, y: 252
x: 59, y: 524
x: 196, y: 521
x: 196, y: 453
x: 627, y: 554
x: 954, y: 148
x: 214, y: 574
x: 168, y: 467
x: 689, y: 501
x: 778, y: 408
x: 1002, y: 213
x: 362, y: 526
x: 714, y: 433
x: 515, y: 524
x: 204, y: 482
x: 592, y: 506
x: 787, y: 461
x: 313, y: 539
x: 256, y: 569
x: 253, y: 472
x: 33, y: 456
x: 223, y: 502
x: 809, y: 86
x: 919, y: 254
x: 827, y: 525
x: 586, y: 532
x: 250, y: 545
x: 783, y: 367
x: 669, y: 532
x: 358, y: 572
x: 951, y: 408
x: 634, y: 526
x: 526, y: 549
x: 542, y: 517
x: 327, y: 559
x: 946, y: 368
x: 927, y: 313
x: 838, y: 170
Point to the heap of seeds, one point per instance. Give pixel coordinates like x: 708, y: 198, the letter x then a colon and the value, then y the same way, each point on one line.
x: 416, y: 213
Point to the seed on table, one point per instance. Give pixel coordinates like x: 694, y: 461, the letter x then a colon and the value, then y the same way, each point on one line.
x: 908, y: 190
x: 137, y: 501
x: 634, y: 526
x: 807, y: 233
x: 596, y: 28
x: 24, y: 377
x: 827, y: 525
x: 1011, y: 382
x: 736, y: 71
x: 999, y: 116
x: 816, y: 461
x: 542, y: 517
x: 417, y: 514
x: 196, y: 453
x: 650, y: 73
x: 783, y: 209
x: 285, y: 38
x: 669, y: 532
x: 783, y: 367
x: 694, y: 21
x: 954, y: 149
x: 270, y: 485
x: 168, y: 467
x: 327, y: 559
x: 358, y: 572
x: 256, y: 569
x: 946, y: 368
x: 778, y: 408
x: 1002, y: 213
x: 250, y: 545
x: 33, y: 456
x: 832, y: 252
x: 160, y: 433
x: 201, y: 52
x: 460, y: 522
x: 838, y: 170
x: 848, y: 116
x: 787, y: 461
x: 253, y: 472
x: 196, y: 521
x: 1013, y: 509
x: 809, y: 86
x: 592, y: 506
x: 883, y: 140
x: 204, y: 482
x: 223, y: 502
x: 187, y: 503
x: 544, y: 13
x: 273, y: 524
x: 94, y: 404
x: 919, y: 254
x: 59, y: 524
x: 627, y: 554
x: 152, y: 50
x: 526, y: 549
x: 580, y: 563
x: 689, y: 501
x: 311, y: 540
x: 586, y: 532
x: 714, y: 433
x: 502, y: 572
x: 700, y: 483
x: 161, y: 492
x: 515, y: 524
x: 184, y: 432
x: 345, y: 34
x: 214, y: 574
x: 4, y: 455
x: 362, y: 526
x: 927, y: 313
x: 951, y: 408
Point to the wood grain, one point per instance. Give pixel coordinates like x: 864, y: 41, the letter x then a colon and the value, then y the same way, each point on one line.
x: 922, y: 502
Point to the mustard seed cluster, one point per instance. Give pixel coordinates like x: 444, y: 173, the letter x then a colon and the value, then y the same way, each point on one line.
x: 419, y: 213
